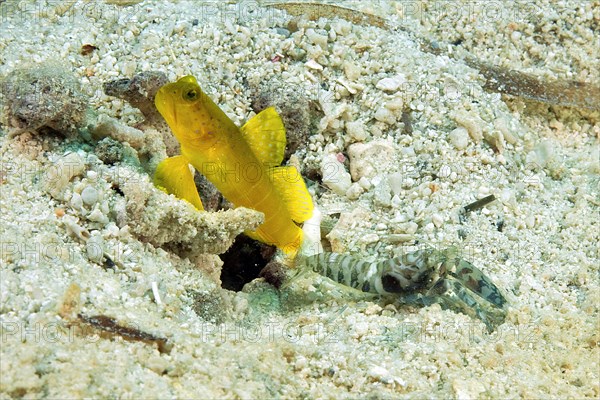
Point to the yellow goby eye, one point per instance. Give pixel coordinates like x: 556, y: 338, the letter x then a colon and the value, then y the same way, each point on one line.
x: 190, y: 95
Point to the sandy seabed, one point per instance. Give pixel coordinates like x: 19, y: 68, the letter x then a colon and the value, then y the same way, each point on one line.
x: 411, y: 138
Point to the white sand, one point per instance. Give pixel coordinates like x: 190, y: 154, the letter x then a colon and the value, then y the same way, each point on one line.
x: 248, y: 344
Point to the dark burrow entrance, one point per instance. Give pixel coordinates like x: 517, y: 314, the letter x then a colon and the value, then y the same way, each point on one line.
x: 243, y: 261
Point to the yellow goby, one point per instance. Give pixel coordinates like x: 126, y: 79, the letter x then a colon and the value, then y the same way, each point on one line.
x: 243, y: 163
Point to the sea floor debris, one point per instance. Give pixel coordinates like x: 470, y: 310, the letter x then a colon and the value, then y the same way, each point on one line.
x: 565, y: 93
x: 43, y: 96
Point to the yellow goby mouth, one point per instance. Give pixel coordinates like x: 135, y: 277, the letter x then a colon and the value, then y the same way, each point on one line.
x: 243, y: 163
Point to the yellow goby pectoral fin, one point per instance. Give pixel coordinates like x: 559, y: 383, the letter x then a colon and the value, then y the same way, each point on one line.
x: 289, y: 184
x: 173, y: 175
x: 265, y: 134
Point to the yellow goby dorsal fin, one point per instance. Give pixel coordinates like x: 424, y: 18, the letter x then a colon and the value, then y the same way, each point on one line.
x: 290, y: 185
x: 188, y: 78
x: 173, y: 176
x: 265, y: 134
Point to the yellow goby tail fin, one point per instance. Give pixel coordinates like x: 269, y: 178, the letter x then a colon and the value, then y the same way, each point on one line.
x: 173, y: 175
x: 290, y: 185
x: 265, y: 134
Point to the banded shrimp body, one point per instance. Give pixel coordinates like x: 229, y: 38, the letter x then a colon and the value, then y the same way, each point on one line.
x: 422, y: 277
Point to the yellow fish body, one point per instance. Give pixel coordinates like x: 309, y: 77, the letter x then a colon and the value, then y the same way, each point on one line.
x: 243, y: 163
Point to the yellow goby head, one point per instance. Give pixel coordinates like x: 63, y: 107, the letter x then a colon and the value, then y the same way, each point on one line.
x: 243, y: 163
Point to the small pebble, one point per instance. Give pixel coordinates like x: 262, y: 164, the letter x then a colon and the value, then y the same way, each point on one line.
x: 352, y: 71
x: 95, y: 248
x: 426, y: 192
x: 370, y: 238
x: 347, y: 86
x: 530, y: 221
x: 471, y: 122
x: 301, y: 362
x: 89, y: 195
x: 396, y: 104
x: 157, y: 364
x: 355, y: 191
x: 379, y: 373
x: 459, y: 138
x: 73, y: 227
x: 356, y: 130
x: 395, y: 180
x: 97, y: 216
x: 361, y: 329
x: 391, y: 84
x: 373, y: 309
x: 545, y: 151
x: 194, y: 45
x: 496, y: 140
x: 335, y: 176
x: 297, y: 53
x: 312, y: 64
x: 365, y: 183
x: 283, y: 32
x: 505, y: 195
x: 111, y: 230
x: 399, y: 238
x: 316, y: 38
x: 385, y: 115
x: 411, y: 228
x: 382, y: 194
x: 76, y: 201
x: 437, y: 220
x: 396, y: 201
